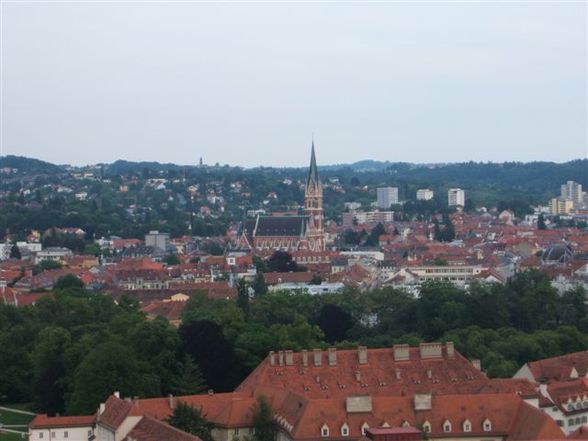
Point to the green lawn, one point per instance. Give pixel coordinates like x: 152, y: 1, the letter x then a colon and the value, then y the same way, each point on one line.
x: 11, y: 418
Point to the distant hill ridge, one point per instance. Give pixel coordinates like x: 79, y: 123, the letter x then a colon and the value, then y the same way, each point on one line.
x: 513, y: 172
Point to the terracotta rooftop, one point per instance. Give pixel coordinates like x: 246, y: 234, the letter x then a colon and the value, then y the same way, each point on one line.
x: 149, y: 429
x: 42, y: 421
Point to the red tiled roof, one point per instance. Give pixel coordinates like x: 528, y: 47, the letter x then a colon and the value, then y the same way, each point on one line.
x: 299, y: 277
x: 559, y: 368
x: 43, y: 421
x: 167, y: 309
x: 377, y: 377
x: 149, y: 429
x: 115, y: 412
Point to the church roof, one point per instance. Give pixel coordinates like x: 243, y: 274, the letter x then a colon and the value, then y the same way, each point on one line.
x: 281, y: 226
x: 313, y: 177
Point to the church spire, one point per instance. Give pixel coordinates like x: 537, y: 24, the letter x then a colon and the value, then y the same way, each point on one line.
x: 313, y: 177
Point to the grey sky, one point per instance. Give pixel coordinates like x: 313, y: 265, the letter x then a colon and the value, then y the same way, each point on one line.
x: 247, y: 84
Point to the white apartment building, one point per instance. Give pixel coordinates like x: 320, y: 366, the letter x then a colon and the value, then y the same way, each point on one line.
x: 455, y: 197
x: 424, y: 194
x: 387, y: 196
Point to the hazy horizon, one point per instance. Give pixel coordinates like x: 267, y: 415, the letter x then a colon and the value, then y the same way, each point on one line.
x: 247, y: 84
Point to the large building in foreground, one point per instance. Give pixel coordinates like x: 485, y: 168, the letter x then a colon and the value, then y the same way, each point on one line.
x: 291, y: 233
x: 336, y: 395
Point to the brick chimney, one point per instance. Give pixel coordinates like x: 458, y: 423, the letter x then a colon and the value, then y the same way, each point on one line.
x: 431, y: 350
x: 272, y: 358
x: 401, y: 352
x: 332, y: 357
x: 318, y: 357
x: 304, y: 357
x: 450, y: 349
x: 289, y: 358
x: 362, y: 354
x: 281, y: 358
x: 171, y: 401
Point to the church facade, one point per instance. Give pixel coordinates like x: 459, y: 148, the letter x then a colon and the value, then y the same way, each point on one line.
x: 291, y: 233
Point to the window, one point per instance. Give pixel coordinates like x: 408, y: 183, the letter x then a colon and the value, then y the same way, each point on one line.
x: 237, y: 431
x: 560, y: 423
x: 41, y: 435
x: 364, y: 428
x: 487, y: 425
x: 426, y: 427
x: 65, y: 434
x: 446, y: 426
x: 571, y: 422
x: 345, y: 430
x: 467, y: 426
x: 89, y: 433
x: 52, y: 434
x: 325, y: 431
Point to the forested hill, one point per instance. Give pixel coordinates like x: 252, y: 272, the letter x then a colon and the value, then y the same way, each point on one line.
x: 29, y: 165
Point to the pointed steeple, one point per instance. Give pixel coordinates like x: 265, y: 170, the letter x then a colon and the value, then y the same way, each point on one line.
x: 313, y: 177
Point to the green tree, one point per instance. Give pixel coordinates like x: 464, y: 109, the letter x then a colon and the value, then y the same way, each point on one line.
x: 189, y: 380
x: 191, y: 420
x: 259, y: 285
x: 15, y: 252
x: 541, y: 222
x: 172, y: 259
x: 69, y: 281
x: 109, y: 366
x: 264, y: 426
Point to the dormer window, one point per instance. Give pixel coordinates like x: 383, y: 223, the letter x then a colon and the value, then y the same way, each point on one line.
x: 446, y: 426
x: 364, y: 428
x: 487, y: 425
x: 405, y: 424
x: 467, y: 426
x: 345, y: 430
x: 427, y: 427
x: 325, y: 431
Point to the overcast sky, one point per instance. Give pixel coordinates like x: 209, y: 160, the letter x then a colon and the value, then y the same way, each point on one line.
x: 248, y: 84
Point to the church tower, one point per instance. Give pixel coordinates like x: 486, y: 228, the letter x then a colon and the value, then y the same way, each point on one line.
x: 313, y: 207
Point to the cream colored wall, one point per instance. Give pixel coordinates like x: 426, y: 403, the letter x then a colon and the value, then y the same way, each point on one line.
x: 73, y: 434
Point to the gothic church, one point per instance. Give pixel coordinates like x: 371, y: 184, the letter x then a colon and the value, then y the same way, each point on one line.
x: 291, y: 233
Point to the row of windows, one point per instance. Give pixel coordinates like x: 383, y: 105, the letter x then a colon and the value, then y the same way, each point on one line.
x: 578, y: 420
x: 578, y: 405
x: 447, y: 427
x: 54, y: 434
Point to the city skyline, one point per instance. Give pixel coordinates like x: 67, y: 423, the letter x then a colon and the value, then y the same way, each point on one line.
x: 238, y: 83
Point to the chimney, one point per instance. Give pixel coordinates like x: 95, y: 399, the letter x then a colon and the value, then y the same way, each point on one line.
x: 332, y: 357
x: 281, y: 358
x: 429, y: 374
x: 362, y: 354
x: 210, y: 391
x: 398, y: 374
x: 357, y: 376
x: 272, y: 358
x: 431, y: 350
x: 317, y: 357
x: 401, y: 352
x: 171, y: 401
x: 116, y: 394
x: 477, y: 364
x: 450, y: 348
x: 289, y: 358
x: 304, y: 357
x: 102, y: 408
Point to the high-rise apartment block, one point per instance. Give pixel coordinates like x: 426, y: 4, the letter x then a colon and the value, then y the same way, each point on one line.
x: 573, y: 191
x: 387, y: 196
x: 455, y: 197
x: 424, y: 194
